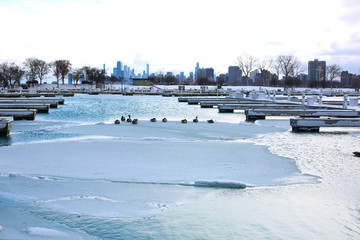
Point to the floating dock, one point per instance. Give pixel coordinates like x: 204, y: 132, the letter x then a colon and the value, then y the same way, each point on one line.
x: 229, y: 108
x: 314, y: 124
x: 5, y: 126
x: 41, y: 108
x: 255, y: 114
x: 19, y: 114
x: 52, y: 103
x: 59, y: 99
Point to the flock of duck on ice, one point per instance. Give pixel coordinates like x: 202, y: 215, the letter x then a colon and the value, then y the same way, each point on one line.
x: 135, y: 120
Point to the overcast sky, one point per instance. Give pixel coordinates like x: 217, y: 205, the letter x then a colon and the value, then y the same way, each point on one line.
x: 172, y: 35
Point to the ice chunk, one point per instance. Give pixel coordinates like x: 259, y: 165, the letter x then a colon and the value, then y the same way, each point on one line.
x: 219, y: 184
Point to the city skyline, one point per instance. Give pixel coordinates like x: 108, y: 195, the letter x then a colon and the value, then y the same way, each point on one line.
x: 173, y: 36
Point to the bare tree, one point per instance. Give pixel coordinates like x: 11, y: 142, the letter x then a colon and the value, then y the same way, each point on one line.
x: 11, y: 74
x: 290, y: 66
x: 31, y: 67
x: 113, y: 79
x: 61, y: 69
x: 77, y: 74
x: 95, y: 75
x: 264, y: 67
x: 332, y: 71
x: 42, y: 70
x: 247, y: 65
x: 56, y: 71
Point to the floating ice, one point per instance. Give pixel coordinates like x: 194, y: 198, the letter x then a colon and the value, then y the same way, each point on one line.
x: 220, y: 184
x: 14, y: 174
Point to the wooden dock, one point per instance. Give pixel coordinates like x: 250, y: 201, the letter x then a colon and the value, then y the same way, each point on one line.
x: 19, y: 114
x: 229, y: 108
x: 210, y: 104
x: 314, y: 124
x: 5, y: 126
x: 255, y: 114
x: 52, y: 103
x: 41, y: 108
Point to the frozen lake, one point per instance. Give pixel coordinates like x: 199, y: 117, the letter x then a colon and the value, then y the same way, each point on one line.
x: 74, y: 174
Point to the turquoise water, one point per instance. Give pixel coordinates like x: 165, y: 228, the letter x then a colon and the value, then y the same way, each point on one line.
x: 328, y: 208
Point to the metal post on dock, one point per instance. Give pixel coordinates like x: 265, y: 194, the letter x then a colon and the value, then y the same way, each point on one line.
x: 303, y: 100
x: 288, y: 97
x: 345, y: 102
x: 274, y: 96
x: 320, y: 99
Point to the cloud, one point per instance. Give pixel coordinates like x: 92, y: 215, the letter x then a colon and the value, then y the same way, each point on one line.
x: 352, y: 12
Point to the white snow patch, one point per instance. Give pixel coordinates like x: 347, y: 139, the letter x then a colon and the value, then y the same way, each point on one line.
x: 44, y: 232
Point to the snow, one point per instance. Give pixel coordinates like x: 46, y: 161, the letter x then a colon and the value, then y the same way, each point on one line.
x: 44, y: 232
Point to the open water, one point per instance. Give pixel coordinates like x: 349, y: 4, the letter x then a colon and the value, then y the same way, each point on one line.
x: 65, y: 175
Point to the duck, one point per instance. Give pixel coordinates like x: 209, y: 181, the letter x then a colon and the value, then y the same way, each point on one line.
x: 129, y: 119
x: 153, y: 120
x: 135, y: 121
x: 184, y: 121
x: 122, y: 118
x: 210, y: 121
x: 117, y: 121
x: 357, y: 154
x: 164, y: 120
x: 196, y: 119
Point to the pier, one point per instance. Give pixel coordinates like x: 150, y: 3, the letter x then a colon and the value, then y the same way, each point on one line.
x: 314, y: 124
x: 41, y: 108
x: 53, y: 103
x: 255, y: 114
x: 229, y: 108
x: 19, y: 114
x: 5, y: 126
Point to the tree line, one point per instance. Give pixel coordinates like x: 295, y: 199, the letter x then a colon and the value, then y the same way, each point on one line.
x: 35, y: 70
x: 269, y: 70
x: 287, y: 65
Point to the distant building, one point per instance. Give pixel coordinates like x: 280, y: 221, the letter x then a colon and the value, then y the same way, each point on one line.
x: 316, y: 70
x: 141, y: 82
x: 182, y: 78
x: 70, y: 78
x: 196, y: 70
x: 254, y: 75
x: 191, y: 76
x: 206, y: 73
x: 302, y: 77
x: 349, y: 79
x: 147, y: 70
x: 234, y: 75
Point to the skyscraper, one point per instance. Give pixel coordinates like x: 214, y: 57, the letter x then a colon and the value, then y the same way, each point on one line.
x: 147, y: 70
x: 316, y: 70
x: 118, y: 69
x: 196, y: 69
x: 234, y: 74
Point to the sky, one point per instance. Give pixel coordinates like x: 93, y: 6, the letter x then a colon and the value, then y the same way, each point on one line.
x: 172, y: 35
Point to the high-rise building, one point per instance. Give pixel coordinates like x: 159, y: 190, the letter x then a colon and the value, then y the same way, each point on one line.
x: 70, y: 78
x: 254, y: 74
x: 316, y: 70
x: 234, y: 74
x: 196, y: 69
x: 206, y: 73
x: 147, y: 70
x: 118, y: 69
x: 349, y: 79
